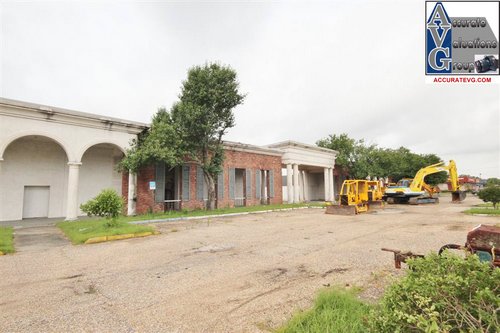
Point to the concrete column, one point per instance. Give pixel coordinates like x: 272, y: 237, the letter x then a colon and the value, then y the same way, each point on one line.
x: 132, y: 183
x: 305, y: 183
x: 301, y: 187
x: 296, y: 183
x: 263, y: 198
x: 330, y: 175
x: 72, y: 198
x: 326, y: 181
x: 289, y: 183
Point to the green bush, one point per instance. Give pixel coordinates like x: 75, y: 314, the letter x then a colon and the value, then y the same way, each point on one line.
x: 441, y: 294
x: 106, y: 204
x: 490, y: 194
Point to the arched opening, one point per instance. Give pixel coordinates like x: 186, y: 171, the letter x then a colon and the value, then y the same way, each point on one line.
x: 99, y: 171
x: 33, y: 178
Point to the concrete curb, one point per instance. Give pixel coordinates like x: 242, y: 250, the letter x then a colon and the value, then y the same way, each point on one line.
x: 101, y: 239
x: 187, y: 218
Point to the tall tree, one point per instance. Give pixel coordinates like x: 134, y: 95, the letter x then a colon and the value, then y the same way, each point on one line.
x: 193, y: 129
x: 360, y: 160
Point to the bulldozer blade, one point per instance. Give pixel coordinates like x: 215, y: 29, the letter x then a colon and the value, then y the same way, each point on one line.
x: 458, y: 196
x: 341, y: 210
x: 376, y: 204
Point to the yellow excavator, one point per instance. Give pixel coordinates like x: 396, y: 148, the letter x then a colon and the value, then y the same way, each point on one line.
x: 415, y: 191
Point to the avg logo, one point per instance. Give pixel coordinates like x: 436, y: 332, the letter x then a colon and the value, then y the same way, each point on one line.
x: 438, y: 41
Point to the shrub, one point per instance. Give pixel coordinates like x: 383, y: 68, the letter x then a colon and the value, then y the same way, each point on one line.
x: 490, y: 194
x: 106, y: 204
x: 441, y: 294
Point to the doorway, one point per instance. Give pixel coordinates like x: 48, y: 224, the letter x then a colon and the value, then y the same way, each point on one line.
x: 36, y: 201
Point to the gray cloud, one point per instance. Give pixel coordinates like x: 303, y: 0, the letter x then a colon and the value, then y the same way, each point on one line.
x: 310, y: 69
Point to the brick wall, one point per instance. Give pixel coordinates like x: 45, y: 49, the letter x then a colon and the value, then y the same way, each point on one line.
x: 233, y: 159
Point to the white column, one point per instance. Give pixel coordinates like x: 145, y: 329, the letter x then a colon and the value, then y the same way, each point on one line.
x: 263, y: 198
x: 72, y: 198
x: 289, y: 183
x: 305, y: 183
x: 296, y: 183
x: 132, y: 183
x: 330, y: 183
x: 301, y: 187
x: 326, y: 181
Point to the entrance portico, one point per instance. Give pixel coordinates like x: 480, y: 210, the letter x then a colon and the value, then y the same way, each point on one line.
x: 309, y: 171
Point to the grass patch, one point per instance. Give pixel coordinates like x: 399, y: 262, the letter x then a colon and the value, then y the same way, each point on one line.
x: 203, y: 212
x: 483, y: 210
x: 79, y: 231
x: 334, y: 310
x: 486, y: 204
x: 7, y: 239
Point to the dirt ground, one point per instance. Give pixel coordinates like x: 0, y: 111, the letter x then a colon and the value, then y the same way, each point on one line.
x: 235, y: 274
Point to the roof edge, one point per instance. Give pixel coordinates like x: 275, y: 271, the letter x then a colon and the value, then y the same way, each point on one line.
x: 291, y: 143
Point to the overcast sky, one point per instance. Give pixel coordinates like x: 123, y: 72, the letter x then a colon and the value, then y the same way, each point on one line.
x: 310, y: 69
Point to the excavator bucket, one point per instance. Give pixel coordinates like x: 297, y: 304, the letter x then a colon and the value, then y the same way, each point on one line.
x: 341, y: 210
x: 457, y: 196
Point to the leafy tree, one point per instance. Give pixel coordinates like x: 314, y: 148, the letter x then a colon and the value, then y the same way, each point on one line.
x: 360, y: 160
x: 492, y: 181
x: 346, y: 148
x: 490, y: 194
x: 193, y: 129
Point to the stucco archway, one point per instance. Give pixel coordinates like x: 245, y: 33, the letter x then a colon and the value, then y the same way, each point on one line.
x: 33, y: 177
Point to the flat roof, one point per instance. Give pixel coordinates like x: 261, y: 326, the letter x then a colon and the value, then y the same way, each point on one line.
x: 72, y: 113
x: 251, y: 148
x: 290, y: 143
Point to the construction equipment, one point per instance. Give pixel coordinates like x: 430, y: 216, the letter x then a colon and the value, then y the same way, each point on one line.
x: 482, y: 240
x: 375, y: 193
x: 416, y: 191
x: 353, y: 198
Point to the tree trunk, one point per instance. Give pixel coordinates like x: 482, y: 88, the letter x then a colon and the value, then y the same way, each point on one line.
x: 211, y: 190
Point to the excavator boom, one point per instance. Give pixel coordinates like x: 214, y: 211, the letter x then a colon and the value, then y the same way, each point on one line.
x: 412, y: 194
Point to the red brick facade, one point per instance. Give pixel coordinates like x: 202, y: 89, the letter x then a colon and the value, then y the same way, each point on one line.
x: 145, y: 200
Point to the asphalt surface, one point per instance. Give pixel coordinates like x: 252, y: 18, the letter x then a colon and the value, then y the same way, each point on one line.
x: 237, y: 274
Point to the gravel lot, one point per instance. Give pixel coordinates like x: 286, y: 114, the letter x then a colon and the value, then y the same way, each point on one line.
x: 235, y: 274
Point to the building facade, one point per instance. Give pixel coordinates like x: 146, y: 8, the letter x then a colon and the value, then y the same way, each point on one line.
x: 52, y: 160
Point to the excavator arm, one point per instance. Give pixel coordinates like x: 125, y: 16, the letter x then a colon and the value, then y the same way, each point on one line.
x: 418, y: 181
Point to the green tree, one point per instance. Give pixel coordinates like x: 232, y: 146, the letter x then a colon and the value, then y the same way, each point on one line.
x: 193, y: 129
x: 492, y: 181
x: 346, y: 147
x: 360, y: 160
x: 490, y: 194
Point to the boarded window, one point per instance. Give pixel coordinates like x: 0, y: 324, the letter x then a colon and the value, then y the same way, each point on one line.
x: 232, y: 181
x: 220, y: 185
x: 160, y: 182
x: 186, y: 195
x: 248, y: 183
x: 271, y: 184
x: 257, y: 183
x: 200, y: 184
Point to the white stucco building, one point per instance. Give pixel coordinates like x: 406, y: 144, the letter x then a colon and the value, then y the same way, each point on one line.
x: 52, y: 159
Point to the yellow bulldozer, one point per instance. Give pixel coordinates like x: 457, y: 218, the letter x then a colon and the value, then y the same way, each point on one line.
x: 357, y: 196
